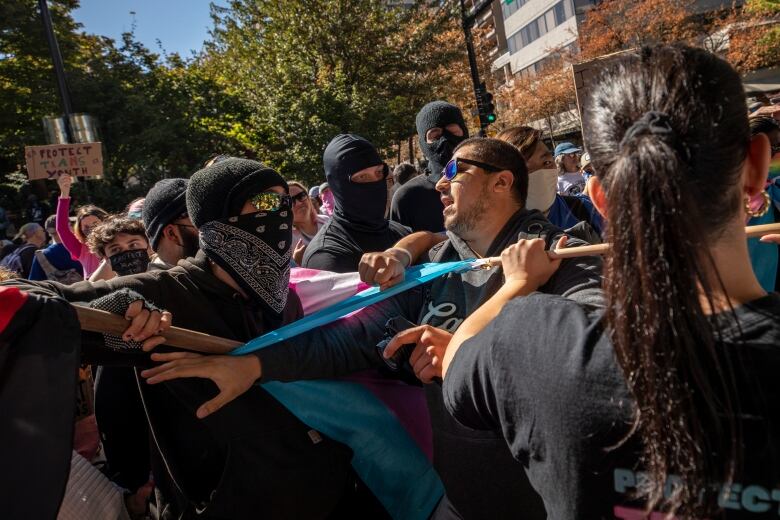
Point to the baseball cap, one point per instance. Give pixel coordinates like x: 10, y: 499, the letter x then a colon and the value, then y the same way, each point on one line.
x: 566, y: 147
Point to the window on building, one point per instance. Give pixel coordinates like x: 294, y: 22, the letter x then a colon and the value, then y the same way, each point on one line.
x: 560, y: 13
x: 540, y: 26
x: 508, y: 9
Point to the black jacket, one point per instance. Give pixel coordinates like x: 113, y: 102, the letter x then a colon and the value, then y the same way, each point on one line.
x: 417, y: 205
x: 251, y: 458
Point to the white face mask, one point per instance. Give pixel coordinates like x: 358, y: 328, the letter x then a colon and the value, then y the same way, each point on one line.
x: 542, y: 185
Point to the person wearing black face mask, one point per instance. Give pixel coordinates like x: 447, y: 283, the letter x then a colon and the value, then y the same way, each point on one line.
x: 122, y: 241
x: 253, y: 456
x: 416, y: 204
x: 356, y: 176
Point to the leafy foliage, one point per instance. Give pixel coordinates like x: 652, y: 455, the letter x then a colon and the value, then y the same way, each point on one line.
x: 310, y: 69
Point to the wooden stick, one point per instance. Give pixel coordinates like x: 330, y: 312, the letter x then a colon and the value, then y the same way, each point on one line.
x: 95, y: 320
x: 600, y: 249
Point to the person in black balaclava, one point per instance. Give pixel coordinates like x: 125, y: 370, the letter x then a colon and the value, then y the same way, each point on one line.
x: 416, y: 204
x: 356, y: 176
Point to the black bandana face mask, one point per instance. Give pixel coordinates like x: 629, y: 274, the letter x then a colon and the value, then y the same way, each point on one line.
x: 255, y: 250
x: 130, y: 262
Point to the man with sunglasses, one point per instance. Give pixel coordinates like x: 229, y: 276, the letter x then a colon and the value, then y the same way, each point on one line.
x: 254, y: 457
x: 170, y: 230
x: 357, y: 177
x: 483, y: 193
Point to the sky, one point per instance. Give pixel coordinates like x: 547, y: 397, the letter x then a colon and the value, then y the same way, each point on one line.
x: 180, y: 25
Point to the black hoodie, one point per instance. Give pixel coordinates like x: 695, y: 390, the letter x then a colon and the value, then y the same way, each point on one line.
x: 252, y: 455
x: 358, y: 224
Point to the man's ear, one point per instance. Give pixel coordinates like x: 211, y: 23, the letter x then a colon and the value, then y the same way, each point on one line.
x: 597, y: 195
x: 503, y: 181
x: 171, y: 233
x: 756, y: 167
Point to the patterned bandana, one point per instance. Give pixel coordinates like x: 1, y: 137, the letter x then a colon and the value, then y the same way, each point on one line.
x: 255, y: 249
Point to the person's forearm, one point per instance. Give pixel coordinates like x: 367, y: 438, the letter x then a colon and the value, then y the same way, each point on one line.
x: 62, y: 225
x: 417, y: 244
x: 482, y: 316
x: 338, y: 349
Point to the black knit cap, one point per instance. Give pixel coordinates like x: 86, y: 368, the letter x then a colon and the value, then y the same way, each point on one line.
x: 220, y: 190
x: 165, y: 202
x: 347, y: 154
x: 438, y: 114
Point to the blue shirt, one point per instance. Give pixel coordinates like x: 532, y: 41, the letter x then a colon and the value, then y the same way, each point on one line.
x: 562, y: 216
x: 57, y: 256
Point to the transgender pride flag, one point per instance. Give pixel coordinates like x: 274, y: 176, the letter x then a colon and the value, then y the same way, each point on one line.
x: 384, y: 422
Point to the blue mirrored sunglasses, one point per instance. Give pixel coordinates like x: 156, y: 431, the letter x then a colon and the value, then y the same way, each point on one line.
x: 451, y: 169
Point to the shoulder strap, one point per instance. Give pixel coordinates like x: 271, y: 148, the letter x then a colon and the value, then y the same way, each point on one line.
x: 45, y: 264
x: 577, y: 207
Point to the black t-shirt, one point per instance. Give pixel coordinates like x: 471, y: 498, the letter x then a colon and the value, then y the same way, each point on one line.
x: 418, y: 206
x: 544, y: 374
x: 338, y: 247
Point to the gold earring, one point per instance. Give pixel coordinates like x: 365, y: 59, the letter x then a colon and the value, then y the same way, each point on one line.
x: 763, y: 210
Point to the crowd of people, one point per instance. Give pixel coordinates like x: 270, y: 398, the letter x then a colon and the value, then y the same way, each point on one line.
x: 635, y: 385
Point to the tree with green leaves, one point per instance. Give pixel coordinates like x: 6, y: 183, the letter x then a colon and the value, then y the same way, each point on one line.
x: 157, y: 116
x: 310, y: 69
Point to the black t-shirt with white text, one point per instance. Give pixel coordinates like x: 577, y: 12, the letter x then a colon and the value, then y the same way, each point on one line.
x: 550, y: 383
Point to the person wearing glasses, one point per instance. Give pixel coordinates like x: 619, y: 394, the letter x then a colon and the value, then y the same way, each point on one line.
x: 570, y: 179
x: 171, y: 233
x: 306, y: 220
x: 357, y: 177
x: 252, y: 457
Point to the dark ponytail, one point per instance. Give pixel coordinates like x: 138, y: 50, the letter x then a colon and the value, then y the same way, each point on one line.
x: 667, y: 133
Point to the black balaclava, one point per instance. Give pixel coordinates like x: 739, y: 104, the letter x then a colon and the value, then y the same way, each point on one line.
x: 359, y: 206
x: 255, y: 249
x: 439, y: 114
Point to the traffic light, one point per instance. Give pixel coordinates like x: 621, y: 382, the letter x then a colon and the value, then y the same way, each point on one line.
x: 487, y: 110
x: 489, y: 107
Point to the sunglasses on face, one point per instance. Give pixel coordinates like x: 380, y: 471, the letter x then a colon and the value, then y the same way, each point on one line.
x: 452, y: 169
x: 269, y: 201
x: 300, y: 197
x: 775, y: 150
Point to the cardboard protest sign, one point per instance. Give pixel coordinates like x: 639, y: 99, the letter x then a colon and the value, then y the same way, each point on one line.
x: 54, y: 160
x: 587, y: 73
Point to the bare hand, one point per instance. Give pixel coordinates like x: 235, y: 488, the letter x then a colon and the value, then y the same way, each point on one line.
x: 64, y: 181
x: 146, y: 327
x: 773, y: 238
x: 385, y: 268
x: 427, y: 356
x: 527, y: 262
x: 234, y: 375
x: 297, y: 255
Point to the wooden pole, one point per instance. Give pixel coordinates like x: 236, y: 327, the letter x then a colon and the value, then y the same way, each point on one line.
x: 95, y: 320
x: 600, y: 249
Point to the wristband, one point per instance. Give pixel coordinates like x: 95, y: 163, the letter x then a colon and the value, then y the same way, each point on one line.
x: 404, y: 251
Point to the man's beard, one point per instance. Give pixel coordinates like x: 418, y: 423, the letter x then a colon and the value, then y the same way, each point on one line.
x: 466, y: 222
x: 189, y: 241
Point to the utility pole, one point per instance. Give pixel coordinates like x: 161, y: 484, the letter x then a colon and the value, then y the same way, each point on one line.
x: 59, y: 72
x: 467, y: 21
x: 59, y: 69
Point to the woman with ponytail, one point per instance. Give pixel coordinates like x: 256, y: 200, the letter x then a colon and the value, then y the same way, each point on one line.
x: 666, y: 401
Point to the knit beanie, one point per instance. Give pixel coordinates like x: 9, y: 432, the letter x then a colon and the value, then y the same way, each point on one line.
x: 220, y: 190
x: 166, y: 201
